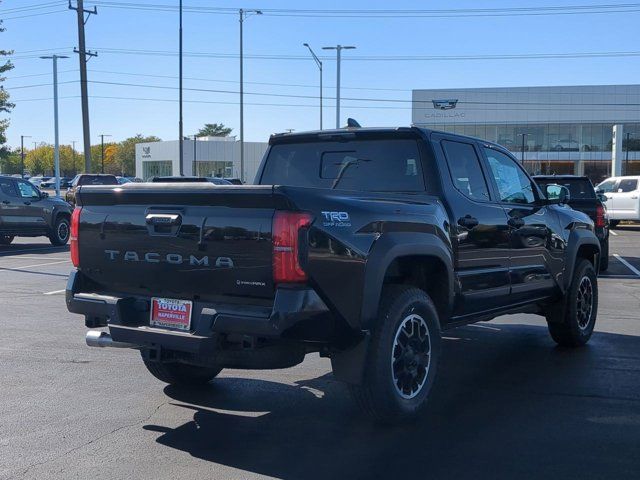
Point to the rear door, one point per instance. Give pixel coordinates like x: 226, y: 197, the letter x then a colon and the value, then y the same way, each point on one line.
x: 609, y: 189
x: 626, y: 201
x: 537, y: 249
x: 480, y: 234
x: 9, y: 204
x: 29, y: 210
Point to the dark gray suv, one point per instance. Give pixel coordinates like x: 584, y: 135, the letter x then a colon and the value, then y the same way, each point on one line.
x: 25, y: 211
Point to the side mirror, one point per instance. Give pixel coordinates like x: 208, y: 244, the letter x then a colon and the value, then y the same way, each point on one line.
x: 557, y: 194
x: 602, y: 197
x: 44, y: 195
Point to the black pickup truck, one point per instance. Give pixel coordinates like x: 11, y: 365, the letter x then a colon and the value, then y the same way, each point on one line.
x: 360, y: 244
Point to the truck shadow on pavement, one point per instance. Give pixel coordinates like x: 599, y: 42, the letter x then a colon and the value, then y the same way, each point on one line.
x: 507, y: 404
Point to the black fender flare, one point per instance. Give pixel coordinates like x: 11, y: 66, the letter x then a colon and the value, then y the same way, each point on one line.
x: 578, y: 237
x: 390, y: 247
x: 57, y: 213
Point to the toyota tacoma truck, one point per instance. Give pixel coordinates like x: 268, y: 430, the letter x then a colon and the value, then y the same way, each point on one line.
x: 362, y: 245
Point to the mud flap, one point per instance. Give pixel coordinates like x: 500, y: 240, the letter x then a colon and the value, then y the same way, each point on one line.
x: 348, y: 365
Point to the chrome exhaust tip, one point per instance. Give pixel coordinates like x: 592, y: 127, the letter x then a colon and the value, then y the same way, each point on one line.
x: 97, y: 338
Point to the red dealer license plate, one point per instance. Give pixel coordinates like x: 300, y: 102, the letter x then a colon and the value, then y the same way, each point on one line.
x: 171, y: 313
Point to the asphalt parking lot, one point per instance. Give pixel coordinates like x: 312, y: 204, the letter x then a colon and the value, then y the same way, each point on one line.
x: 508, y: 403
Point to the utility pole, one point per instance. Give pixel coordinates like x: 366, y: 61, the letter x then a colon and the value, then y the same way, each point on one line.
x: 73, y: 156
x: 56, y: 148
x: 180, y: 129
x: 244, y: 14
x: 22, y: 137
x: 102, y: 148
x: 319, y: 64
x: 338, y: 49
x: 523, y: 135
x: 193, y: 168
x: 84, y: 94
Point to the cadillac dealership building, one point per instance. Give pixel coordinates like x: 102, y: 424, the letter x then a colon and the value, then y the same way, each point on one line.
x: 564, y: 129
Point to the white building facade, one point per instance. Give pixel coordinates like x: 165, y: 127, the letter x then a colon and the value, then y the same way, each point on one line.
x: 552, y: 129
x: 206, y: 156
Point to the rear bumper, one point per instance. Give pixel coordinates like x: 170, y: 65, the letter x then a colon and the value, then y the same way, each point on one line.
x: 297, y: 314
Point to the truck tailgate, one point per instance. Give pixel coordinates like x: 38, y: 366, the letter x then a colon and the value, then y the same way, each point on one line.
x: 189, y: 241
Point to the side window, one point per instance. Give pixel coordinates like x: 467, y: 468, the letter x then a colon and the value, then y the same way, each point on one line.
x: 628, y: 185
x: 465, y: 170
x: 27, y: 190
x: 513, y: 184
x: 7, y: 188
x: 606, y: 186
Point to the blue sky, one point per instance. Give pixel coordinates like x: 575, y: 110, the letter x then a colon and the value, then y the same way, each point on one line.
x: 115, y: 31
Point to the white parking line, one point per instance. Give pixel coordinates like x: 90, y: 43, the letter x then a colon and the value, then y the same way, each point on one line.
x: 22, y: 267
x: 55, y: 292
x: 627, y: 264
x: 613, y: 233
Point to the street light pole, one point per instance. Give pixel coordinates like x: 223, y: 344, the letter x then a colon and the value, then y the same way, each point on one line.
x: 102, y: 149
x: 55, y: 119
x: 319, y: 64
x: 338, y: 49
x: 193, y: 168
x: 180, y: 127
x: 523, y: 135
x: 244, y: 14
x: 22, y: 137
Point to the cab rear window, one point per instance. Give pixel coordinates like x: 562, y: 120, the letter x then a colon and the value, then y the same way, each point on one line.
x: 579, y: 189
x: 364, y: 165
x: 98, y: 180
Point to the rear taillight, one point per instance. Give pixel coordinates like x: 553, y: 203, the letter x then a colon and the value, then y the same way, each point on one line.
x: 600, y: 216
x: 73, y: 239
x: 285, y: 233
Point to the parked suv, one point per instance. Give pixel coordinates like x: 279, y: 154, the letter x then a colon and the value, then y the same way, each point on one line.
x: 622, y: 198
x: 584, y: 198
x: 88, y: 179
x: 25, y: 211
x: 360, y: 244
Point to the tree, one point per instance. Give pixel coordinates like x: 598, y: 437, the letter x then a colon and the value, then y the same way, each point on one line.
x: 5, y: 105
x: 125, y: 156
x: 214, y: 130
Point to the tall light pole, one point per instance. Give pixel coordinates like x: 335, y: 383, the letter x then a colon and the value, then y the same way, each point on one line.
x: 180, y: 129
x: 244, y: 14
x: 73, y: 156
x: 55, y: 119
x: 338, y: 49
x: 319, y: 64
x: 193, y: 168
x: 102, y: 149
x: 22, y: 137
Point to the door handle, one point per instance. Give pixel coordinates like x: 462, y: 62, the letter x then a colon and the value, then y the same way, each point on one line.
x: 27, y: 203
x: 515, y: 222
x: 6, y: 202
x: 468, y: 221
x: 635, y: 197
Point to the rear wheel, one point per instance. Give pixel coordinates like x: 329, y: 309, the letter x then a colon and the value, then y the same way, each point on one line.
x: 571, y: 323
x: 403, y: 356
x: 6, y: 239
x: 181, y: 374
x: 60, y: 234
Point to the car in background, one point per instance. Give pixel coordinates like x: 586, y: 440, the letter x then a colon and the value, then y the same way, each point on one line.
x: 123, y: 180
x: 583, y: 197
x: 37, y: 181
x: 623, y: 198
x: 88, y: 179
x: 65, y: 182
x: 218, y: 181
x: 235, y: 181
x: 25, y: 211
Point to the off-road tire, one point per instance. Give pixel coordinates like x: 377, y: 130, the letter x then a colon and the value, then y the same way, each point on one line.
x: 379, y: 395
x: 571, y: 322
x: 60, y: 233
x: 6, y: 239
x: 181, y: 374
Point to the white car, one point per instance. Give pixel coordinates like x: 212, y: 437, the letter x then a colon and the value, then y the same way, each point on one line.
x: 38, y: 180
x: 623, y: 198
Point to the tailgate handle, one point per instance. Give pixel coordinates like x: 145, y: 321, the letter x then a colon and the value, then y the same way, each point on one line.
x: 158, y: 219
